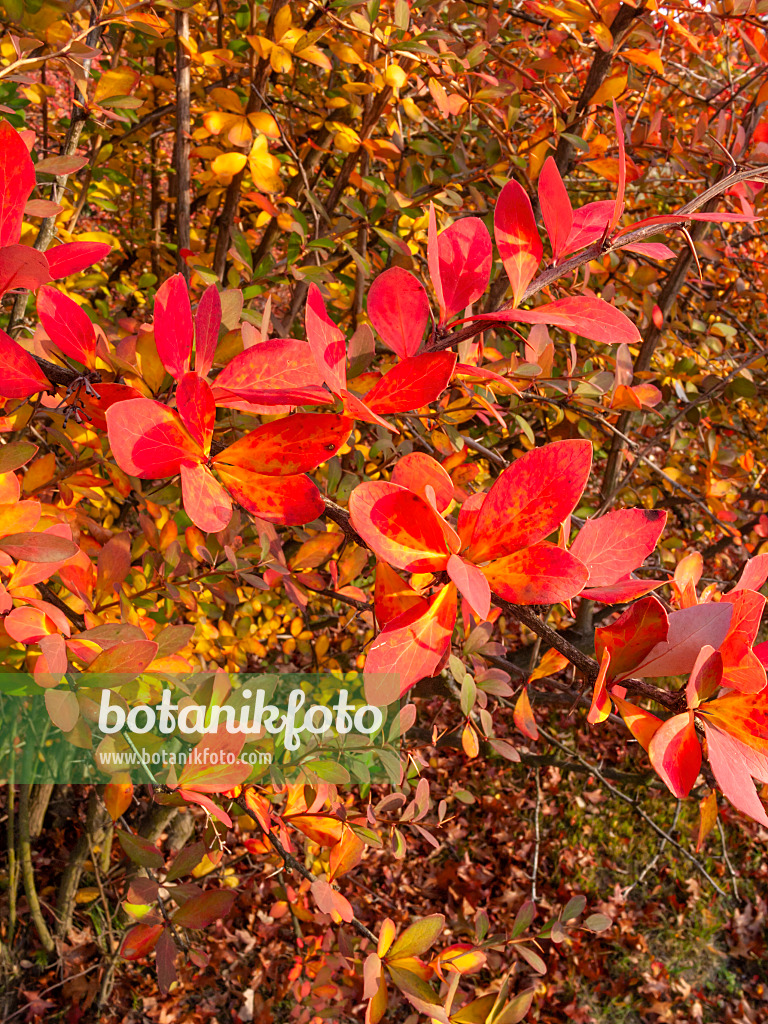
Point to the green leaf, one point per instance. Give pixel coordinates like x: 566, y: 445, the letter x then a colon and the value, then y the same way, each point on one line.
x: 524, y: 919
x: 417, y: 937
x: 532, y: 959
x: 598, y: 922
x: 140, y: 850
x: 15, y: 455
x: 573, y: 908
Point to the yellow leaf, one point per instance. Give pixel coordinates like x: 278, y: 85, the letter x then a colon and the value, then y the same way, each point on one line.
x: 264, y: 166
x: 470, y: 742
x: 395, y: 77
x: 609, y: 90
x: 261, y: 45
x: 346, y: 138
x: 603, y: 35
x: 227, y: 165
x: 644, y: 58
x: 217, y: 121
x: 283, y: 21
x: 228, y: 99
x: 280, y: 60
x: 117, y: 82
x: 265, y: 123
x: 240, y: 133
x: 86, y: 895
x: 39, y: 473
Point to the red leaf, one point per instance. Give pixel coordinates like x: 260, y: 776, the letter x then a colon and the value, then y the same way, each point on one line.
x: 278, y: 364
x: 173, y: 325
x: 72, y: 257
x: 465, y: 254
x: 38, y: 547
x: 656, y: 250
x: 417, y: 472
x: 400, y: 527
x: 212, y: 766
x: 165, y: 960
x: 17, y: 179
x: 632, y: 637
x: 590, y: 223
x: 205, y: 501
x: 289, y: 500
x: 754, y: 573
x: 109, y: 395
x: 517, y: 238
x: 21, y: 376
x: 734, y: 766
x: 409, y: 648
x: 292, y: 445
x: 585, y: 315
x: 748, y: 607
x: 742, y: 669
x: 675, y: 753
x: 194, y: 401
x: 148, y: 439
x: 21, y: 266
x: 621, y: 591
x: 398, y: 308
x: 433, y: 259
x: 140, y: 940
x: 689, y: 629
x: 326, y: 341
x: 201, y: 911
x: 540, y: 574
x: 412, y: 383
x: 531, y: 498
x: 618, y: 208
x: 207, y: 324
x: 67, y: 325
x: 615, y: 544
x: 471, y: 584
x: 131, y: 658
x: 555, y: 207
x: 523, y: 716
x: 392, y: 595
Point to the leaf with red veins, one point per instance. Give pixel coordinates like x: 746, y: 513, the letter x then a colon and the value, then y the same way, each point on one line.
x: 412, y: 383
x: 173, y: 325
x: 465, y: 254
x: 326, y: 341
x: 472, y: 585
x: 530, y: 499
x: 675, y: 753
x: 517, y: 237
x: 398, y: 308
x: 401, y: 528
x: 148, y: 439
x: 197, y: 408
x: 409, y: 648
x: 67, y: 325
x: 540, y: 574
x: 295, y: 444
x: 205, y: 501
x: 287, y: 500
x: 615, y: 544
